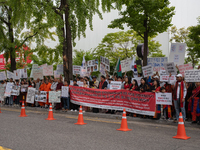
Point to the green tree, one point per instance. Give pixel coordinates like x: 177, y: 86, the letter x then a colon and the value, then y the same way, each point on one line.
x: 71, y: 18
x: 15, y: 16
x: 146, y: 17
x: 123, y: 44
x: 182, y: 36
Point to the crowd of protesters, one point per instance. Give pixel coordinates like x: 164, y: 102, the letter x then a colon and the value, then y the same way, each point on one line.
x: 186, y: 96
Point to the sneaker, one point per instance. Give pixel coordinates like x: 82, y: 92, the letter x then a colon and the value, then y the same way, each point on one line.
x: 75, y: 109
x: 72, y: 110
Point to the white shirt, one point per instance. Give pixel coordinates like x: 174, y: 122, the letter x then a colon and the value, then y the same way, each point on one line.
x: 178, y: 89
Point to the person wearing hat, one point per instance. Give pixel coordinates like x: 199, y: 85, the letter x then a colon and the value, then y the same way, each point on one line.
x: 179, y: 95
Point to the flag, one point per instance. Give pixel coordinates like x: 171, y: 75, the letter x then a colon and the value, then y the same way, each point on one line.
x: 83, y: 67
x: 133, y: 67
x: 119, y: 69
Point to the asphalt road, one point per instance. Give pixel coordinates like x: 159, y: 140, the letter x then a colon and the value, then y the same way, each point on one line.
x: 36, y: 133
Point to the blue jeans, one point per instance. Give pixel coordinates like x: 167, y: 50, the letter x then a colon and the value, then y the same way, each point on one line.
x: 66, y: 102
x: 11, y: 100
x: 177, y: 108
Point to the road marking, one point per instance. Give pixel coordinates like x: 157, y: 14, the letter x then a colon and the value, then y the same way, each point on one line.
x: 104, y: 120
x: 3, y: 148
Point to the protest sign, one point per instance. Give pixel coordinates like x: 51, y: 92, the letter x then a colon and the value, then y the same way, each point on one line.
x: 138, y: 79
x: 15, y: 90
x: 183, y: 68
x: 2, y: 90
x: 164, y: 98
x: 170, y: 68
x: 48, y: 70
x: 17, y: 74
x: 92, y: 65
x: 41, y: 67
x: 71, y: 82
x: 132, y: 101
x: 147, y: 70
x: 192, y: 75
x: 76, y: 69
x: 56, y: 74
x: 102, y: 69
x: 24, y: 88
x: 8, y: 90
x: 105, y: 62
x: 65, y: 91
x: 54, y: 97
x: 30, y: 95
x: 3, y: 76
x: 177, y: 53
x: 40, y: 96
x: 23, y: 73
x: 80, y: 84
x: 157, y: 63
x: 125, y: 64
x: 59, y: 69
x: 165, y: 77
x: 115, y: 85
x: 34, y: 68
x: 38, y: 74
x: 10, y: 75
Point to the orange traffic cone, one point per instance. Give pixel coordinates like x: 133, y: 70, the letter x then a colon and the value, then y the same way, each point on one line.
x: 181, y: 129
x: 50, y: 116
x: 23, y: 113
x: 80, y: 117
x: 124, y: 125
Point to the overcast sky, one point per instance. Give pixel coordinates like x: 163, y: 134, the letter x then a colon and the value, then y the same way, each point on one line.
x: 186, y: 15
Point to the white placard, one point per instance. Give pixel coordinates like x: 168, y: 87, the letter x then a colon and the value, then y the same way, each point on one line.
x: 24, y: 88
x: 40, y: 96
x: 38, y: 74
x: 34, y: 67
x: 80, y: 84
x: 165, y: 77
x: 76, y: 69
x: 8, y: 90
x: 105, y: 62
x: 30, y: 95
x: 164, y: 98
x: 23, y: 73
x: 54, y: 97
x: 183, y: 68
x: 147, y: 70
x: 65, y: 91
x: 177, y: 53
x: 59, y: 69
x: 2, y: 90
x: 48, y: 70
x: 3, y: 76
x: 125, y: 64
x: 17, y: 74
x: 10, y: 75
x: 56, y: 74
x: 102, y: 69
x: 15, y: 90
x: 157, y: 62
x: 115, y: 85
x: 170, y: 68
x: 71, y: 82
x: 192, y: 75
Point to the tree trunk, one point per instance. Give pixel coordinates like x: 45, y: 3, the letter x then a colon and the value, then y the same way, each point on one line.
x: 12, y: 49
x: 145, y: 44
x: 69, y: 44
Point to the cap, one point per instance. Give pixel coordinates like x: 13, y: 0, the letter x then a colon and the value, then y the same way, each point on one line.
x: 179, y: 75
x: 94, y: 77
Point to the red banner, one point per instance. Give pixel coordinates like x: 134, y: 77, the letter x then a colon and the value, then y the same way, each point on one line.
x: 132, y: 101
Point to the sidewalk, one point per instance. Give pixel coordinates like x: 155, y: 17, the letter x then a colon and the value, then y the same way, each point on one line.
x: 104, y: 116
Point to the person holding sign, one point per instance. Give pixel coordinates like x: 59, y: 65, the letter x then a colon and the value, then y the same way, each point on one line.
x: 65, y: 99
x: 180, y: 92
x: 42, y: 89
x: 127, y: 84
